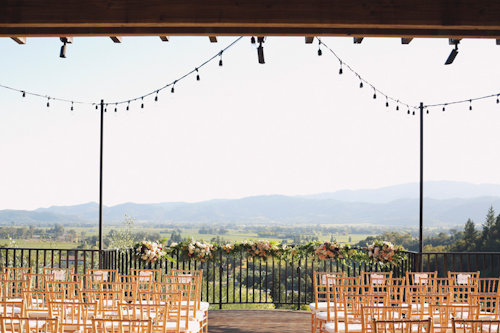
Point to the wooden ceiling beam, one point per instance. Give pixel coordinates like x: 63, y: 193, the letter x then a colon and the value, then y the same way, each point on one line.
x: 465, y: 18
x: 245, y: 31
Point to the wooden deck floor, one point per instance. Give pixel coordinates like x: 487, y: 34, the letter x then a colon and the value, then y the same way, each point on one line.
x: 250, y: 321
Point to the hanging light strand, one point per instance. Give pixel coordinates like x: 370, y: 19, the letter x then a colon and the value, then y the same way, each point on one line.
x: 362, y: 81
x: 24, y: 93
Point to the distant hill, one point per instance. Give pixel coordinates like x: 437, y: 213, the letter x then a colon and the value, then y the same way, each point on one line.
x: 446, y: 204
x: 432, y: 189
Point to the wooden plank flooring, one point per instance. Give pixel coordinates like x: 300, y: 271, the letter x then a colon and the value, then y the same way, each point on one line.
x: 257, y: 321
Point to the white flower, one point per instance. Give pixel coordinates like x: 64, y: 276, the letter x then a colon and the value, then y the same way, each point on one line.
x: 173, y: 244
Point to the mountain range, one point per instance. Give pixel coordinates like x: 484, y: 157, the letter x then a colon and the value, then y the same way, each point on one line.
x: 446, y: 203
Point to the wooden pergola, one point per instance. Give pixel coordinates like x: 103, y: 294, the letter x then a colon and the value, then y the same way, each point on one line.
x: 407, y: 19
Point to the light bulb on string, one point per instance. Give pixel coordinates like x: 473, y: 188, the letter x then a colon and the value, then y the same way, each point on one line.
x: 386, y: 102
x: 427, y: 111
x: 106, y: 108
x: 128, y: 106
x: 397, y: 105
x: 71, y: 106
x: 413, y: 113
x: 156, y: 97
x: 197, y: 75
x: 173, y: 87
x: 24, y: 93
x: 320, y: 53
x: 97, y: 107
x: 253, y: 43
x: 408, y: 111
x: 142, y: 102
x: 374, y: 93
x: 220, y: 60
x: 470, y: 105
x: 48, y: 102
x: 444, y: 107
x: 116, y: 107
x: 340, y: 70
x: 498, y: 100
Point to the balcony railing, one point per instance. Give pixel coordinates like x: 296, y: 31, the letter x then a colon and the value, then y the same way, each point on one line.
x: 235, y: 279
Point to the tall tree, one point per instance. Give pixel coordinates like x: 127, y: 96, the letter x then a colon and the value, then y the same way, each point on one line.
x: 470, y: 236
x: 488, y: 238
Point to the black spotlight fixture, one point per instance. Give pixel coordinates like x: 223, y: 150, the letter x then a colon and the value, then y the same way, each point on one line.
x: 64, y: 40
x: 454, y: 52
x: 260, y: 50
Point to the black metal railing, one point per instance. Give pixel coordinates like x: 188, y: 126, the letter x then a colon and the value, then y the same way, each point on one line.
x: 235, y: 279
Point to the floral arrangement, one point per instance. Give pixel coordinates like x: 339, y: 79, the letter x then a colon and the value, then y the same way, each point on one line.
x: 329, y: 251
x: 150, y: 251
x: 384, y: 252
x: 192, y: 249
x: 380, y: 252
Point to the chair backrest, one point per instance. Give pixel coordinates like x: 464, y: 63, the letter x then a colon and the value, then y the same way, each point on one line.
x: 488, y: 303
x: 88, y: 281
x: 107, y: 301
x: 12, y: 309
x: 374, y: 278
x: 60, y: 274
x: 174, y: 301
x: 129, y: 289
x: 487, y: 285
x: 414, y: 278
x: 13, y: 289
x: 473, y: 326
x: 108, y: 275
x: 394, y: 287
x: 403, y: 326
x: 382, y: 313
x: 463, y: 278
x: 74, y: 316
x: 325, y: 289
x: 69, y: 289
x: 155, y: 274
x: 442, y: 315
x: 114, y: 325
x: 16, y: 273
x: 27, y: 324
x: 143, y: 282
x: 437, y: 285
x: 37, y: 281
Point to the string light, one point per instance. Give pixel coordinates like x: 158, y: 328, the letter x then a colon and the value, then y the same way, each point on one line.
x: 470, y: 106
x: 444, y: 106
x: 427, y: 111
x: 397, y: 105
x: 320, y: 53
x: 128, y: 105
x: 71, y: 106
x: 197, y: 75
x: 48, y: 102
x: 340, y: 70
x: 106, y: 108
x: 498, y: 101
x: 408, y: 111
x: 142, y: 102
x: 252, y: 40
x: 116, y: 107
x: 220, y: 60
x: 374, y: 93
x: 386, y: 102
x: 173, y: 89
x: 24, y: 94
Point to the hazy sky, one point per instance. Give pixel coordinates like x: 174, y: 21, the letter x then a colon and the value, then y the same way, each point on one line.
x: 292, y: 126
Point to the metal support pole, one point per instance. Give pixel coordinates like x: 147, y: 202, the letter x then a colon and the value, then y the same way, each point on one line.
x: 421, y: 235
x: 100, y: 177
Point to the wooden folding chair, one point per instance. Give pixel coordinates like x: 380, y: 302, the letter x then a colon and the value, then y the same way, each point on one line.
x: 115, y: 325
x: 403, y: 326
x: 74, y: 316
x: 143, y: 282
x: 36, y: 305
x: 331, y: 301
x: 128, y: 288
x: 178, y: 321
x: 28, y: 325
x: 475, y: 326
x: 37, y: 281
x: 321, y: 295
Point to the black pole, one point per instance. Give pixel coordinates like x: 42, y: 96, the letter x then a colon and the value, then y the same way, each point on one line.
x: 421, y: 236
x: 100, y: 177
